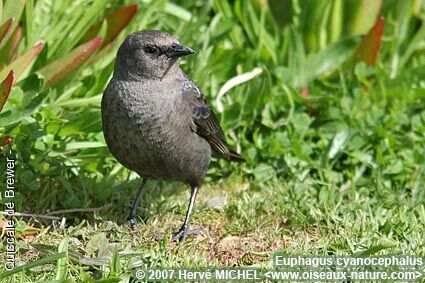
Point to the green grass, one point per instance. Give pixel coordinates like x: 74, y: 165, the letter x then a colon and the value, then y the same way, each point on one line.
x: 336, y: 172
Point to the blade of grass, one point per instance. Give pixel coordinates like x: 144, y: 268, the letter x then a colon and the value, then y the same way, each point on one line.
x: 88, y: 16
x: 336, y: 21
x: 28, y: 22
x: 62, y: 263
x: 414, y: 44
x: 28, y: 266
x: 177, y: 11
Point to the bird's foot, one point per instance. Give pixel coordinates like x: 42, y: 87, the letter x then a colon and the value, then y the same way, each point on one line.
x: 182, y: 233
x: 132, y: 222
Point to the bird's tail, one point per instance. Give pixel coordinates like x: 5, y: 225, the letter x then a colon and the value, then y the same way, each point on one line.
x: 234, y: 156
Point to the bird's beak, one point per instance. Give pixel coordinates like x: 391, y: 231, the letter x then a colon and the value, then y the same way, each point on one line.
x: 178, y: 50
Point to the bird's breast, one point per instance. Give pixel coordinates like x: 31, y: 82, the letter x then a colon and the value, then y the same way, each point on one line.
x: 146, y: 133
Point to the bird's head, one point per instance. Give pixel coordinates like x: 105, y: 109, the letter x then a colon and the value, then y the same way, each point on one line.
x: 149, y: 54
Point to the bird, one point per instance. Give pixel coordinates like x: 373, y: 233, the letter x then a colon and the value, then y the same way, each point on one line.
x: 156, y: 120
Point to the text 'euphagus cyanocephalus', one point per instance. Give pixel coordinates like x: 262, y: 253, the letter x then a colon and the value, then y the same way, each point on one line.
x: 156, y: 121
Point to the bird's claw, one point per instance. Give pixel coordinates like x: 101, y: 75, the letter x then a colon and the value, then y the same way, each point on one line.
x: 182, y: 233
x: 132, y: 222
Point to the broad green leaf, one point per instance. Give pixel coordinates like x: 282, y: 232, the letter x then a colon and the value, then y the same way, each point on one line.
x: 368, y: 49
x: 116, y: 21
x: 33, y: 100
x: 361, y: 15
x: 264, y: 172
x: 61, y: 69
x: 5, y: 88
x: 19, y: 113
x: 328, y: 59
x: 22, y: 63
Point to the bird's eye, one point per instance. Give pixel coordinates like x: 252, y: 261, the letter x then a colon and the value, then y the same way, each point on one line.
x: 149, y: 49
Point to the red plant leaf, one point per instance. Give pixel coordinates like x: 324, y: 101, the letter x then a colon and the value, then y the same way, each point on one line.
x: 20, y: 64
x: 368, y: 49
x: 306, y: 94
x: 5, y: 88
x: 116, y: 21
x: 5, y: 140
x: 61, y: 69
x: 304, y: 91
x: 5, y: 29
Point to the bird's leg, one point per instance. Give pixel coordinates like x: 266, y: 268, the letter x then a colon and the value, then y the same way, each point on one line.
x: 133, y: 214
x: 184, y: 230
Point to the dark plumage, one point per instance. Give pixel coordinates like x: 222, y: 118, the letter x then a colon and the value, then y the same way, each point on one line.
x: 156, y: 121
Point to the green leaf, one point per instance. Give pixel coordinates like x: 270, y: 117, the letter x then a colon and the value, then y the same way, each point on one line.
x: 22, y: 63
x: 282, y: 11
x: 83, y: 145
x: 264, y: 172
x: 61, y: 69
x: 375, y: 249
x: 328, y: 59
x: 31, y: 103
x: 5, y: 88
x: 28, y: 266
x: 62, y: 263
x: 360, y: 15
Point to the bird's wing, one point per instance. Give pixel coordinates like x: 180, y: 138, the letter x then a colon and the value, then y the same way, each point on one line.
x: 207, y: 125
